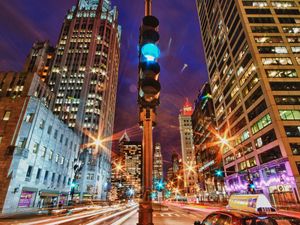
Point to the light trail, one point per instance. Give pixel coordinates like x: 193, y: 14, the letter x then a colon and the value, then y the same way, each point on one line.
x: 111, y: 216
x: 55, y: 221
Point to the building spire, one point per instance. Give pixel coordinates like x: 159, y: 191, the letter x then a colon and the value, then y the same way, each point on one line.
x: 88, y: 4
x: 187, y: 109
x: 124, y: 137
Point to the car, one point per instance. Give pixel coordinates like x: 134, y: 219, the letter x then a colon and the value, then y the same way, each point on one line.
x: 235, y: 217
x: 252, y: 209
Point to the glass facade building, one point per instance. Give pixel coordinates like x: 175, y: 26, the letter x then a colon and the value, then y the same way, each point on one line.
x: 208, y: 159
x: 157, y: 163
x: 252, y: 55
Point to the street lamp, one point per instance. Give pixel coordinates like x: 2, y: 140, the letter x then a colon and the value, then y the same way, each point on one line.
x: 224, y: 141
x: 98, y: 142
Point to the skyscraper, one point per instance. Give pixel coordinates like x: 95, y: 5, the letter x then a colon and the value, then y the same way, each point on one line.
x: 84, y: 78
x: 187, y: 146
x: 40, y: 59
x: 131, y: 155
x: 252, y: 56
x: 157, y: 163
x: 208, y: 159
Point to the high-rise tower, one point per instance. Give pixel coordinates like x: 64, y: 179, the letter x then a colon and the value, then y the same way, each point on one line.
x: 157, y: 163
x: 252, y: 56
x: 187, y: 147
x: 84, y: 78
x: 131, y: 154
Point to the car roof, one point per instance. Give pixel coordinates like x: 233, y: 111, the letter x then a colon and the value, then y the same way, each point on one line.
x: 236, y: 213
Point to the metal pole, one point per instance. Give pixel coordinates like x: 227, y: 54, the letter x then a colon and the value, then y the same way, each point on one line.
x: 148, y: 7
x: 145, y: 209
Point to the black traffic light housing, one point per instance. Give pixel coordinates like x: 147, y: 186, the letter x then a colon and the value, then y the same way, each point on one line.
x: 251, y: 187
x: 149, y: 69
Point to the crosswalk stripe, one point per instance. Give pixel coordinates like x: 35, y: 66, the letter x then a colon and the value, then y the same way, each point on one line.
x: 168, y: 214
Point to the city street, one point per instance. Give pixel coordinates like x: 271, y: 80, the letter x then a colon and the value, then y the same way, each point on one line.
x: 172, y: 215
x: 154, y: 112
x: 90, y: 216
x: 175, y: 215
x: 168, y: 214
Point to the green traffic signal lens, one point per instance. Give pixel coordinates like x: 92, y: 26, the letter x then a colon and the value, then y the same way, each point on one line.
x: 150, y: 52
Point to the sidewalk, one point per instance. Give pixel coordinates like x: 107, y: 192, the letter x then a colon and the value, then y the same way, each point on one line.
x: 25, y: 214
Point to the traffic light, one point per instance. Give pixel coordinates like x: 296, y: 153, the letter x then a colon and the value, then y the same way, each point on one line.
x: 251, y: 187
x: 159, y: 185
x: 73, y: 186
x: 219, y: 173
x: 149, y: 69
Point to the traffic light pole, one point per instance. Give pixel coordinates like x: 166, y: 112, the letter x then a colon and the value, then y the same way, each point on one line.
x: 148, y: 7
x: 147, y: 117
x: 148, y: 99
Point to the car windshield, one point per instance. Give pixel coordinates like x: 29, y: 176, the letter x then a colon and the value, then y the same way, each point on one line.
x: 274, y: 220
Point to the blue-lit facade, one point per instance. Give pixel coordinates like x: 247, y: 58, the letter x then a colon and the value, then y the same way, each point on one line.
x: 45, y: 151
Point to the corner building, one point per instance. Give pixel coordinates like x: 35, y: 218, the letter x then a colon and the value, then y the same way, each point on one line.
x: 37, y: 150
x: 208, y: 159
x: 84, y: 78
x: 252, y: 55
x: 187, y: 147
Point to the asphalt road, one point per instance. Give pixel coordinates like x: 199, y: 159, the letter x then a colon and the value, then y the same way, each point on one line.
x: 171, y: 214
x: 91, y: 216
x: 175, y: 215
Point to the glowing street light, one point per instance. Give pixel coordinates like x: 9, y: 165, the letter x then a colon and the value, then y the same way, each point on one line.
x: 118, y: 166
x: 190, y: 168
x: 224, y: 141
x: 131, y: 192
x: 98, y: 142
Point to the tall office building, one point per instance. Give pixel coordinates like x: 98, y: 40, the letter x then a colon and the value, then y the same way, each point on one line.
x: 208, y: 157
x: 187, y: 147
x: 131, y: 156
x: 252, y: 56
x: 157, y: 163
x: 175, y: 162
x: 170, y: 174
x: 40, y: 59
x: 84, y: 78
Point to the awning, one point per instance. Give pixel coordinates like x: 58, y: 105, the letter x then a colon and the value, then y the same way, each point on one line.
x: 64, y: 193
x: 31, y: 189
x: 49, y: 193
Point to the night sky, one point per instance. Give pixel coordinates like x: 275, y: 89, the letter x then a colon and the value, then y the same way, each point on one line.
x: 183, y: 68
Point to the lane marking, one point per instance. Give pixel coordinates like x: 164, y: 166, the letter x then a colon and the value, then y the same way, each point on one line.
x: 126, y: 217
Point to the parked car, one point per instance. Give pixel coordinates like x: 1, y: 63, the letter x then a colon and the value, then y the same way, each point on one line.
x: 248, y: 210
x: 235, y: 217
